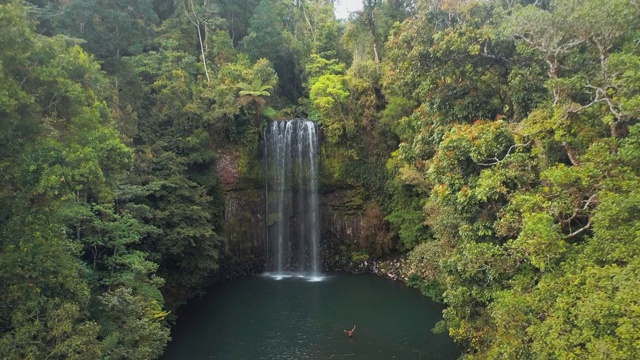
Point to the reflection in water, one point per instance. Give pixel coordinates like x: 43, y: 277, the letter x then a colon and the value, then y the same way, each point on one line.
x: 293, y: 318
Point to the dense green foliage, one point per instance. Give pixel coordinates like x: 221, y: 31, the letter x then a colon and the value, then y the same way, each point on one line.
x: 110, y: 213
x: 517, y: 169
x: 495, y: 142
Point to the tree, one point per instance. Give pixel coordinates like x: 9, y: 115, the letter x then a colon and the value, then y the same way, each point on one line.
x: 270, y: 38
x: 514, y: 201
x: 108, y: 30
x: 61, y: 173
x: 45, y: 295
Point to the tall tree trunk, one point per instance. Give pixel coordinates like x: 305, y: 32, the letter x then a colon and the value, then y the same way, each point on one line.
x: 196, y: 22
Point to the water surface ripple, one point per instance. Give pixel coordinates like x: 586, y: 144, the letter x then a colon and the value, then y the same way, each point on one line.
x: 293, y: 318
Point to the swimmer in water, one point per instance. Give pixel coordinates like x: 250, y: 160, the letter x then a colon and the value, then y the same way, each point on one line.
x: 350, y: 332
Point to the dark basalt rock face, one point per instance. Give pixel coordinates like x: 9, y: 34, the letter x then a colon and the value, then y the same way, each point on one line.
x: 343, y: 227
x: 349, y: 230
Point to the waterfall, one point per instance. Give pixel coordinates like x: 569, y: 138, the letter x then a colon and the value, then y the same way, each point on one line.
x: 291, y: 186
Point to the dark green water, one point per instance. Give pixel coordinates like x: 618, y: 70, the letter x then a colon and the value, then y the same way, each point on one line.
x: 263, y: 318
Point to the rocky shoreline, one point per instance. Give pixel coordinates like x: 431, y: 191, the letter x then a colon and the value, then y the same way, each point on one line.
x: 397, y: 269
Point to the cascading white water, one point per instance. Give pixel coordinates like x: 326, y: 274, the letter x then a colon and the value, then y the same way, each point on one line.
x: 291, y: 185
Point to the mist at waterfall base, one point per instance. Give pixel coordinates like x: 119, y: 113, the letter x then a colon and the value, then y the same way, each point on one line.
x: 264, y: 318
x: 292, y: 217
